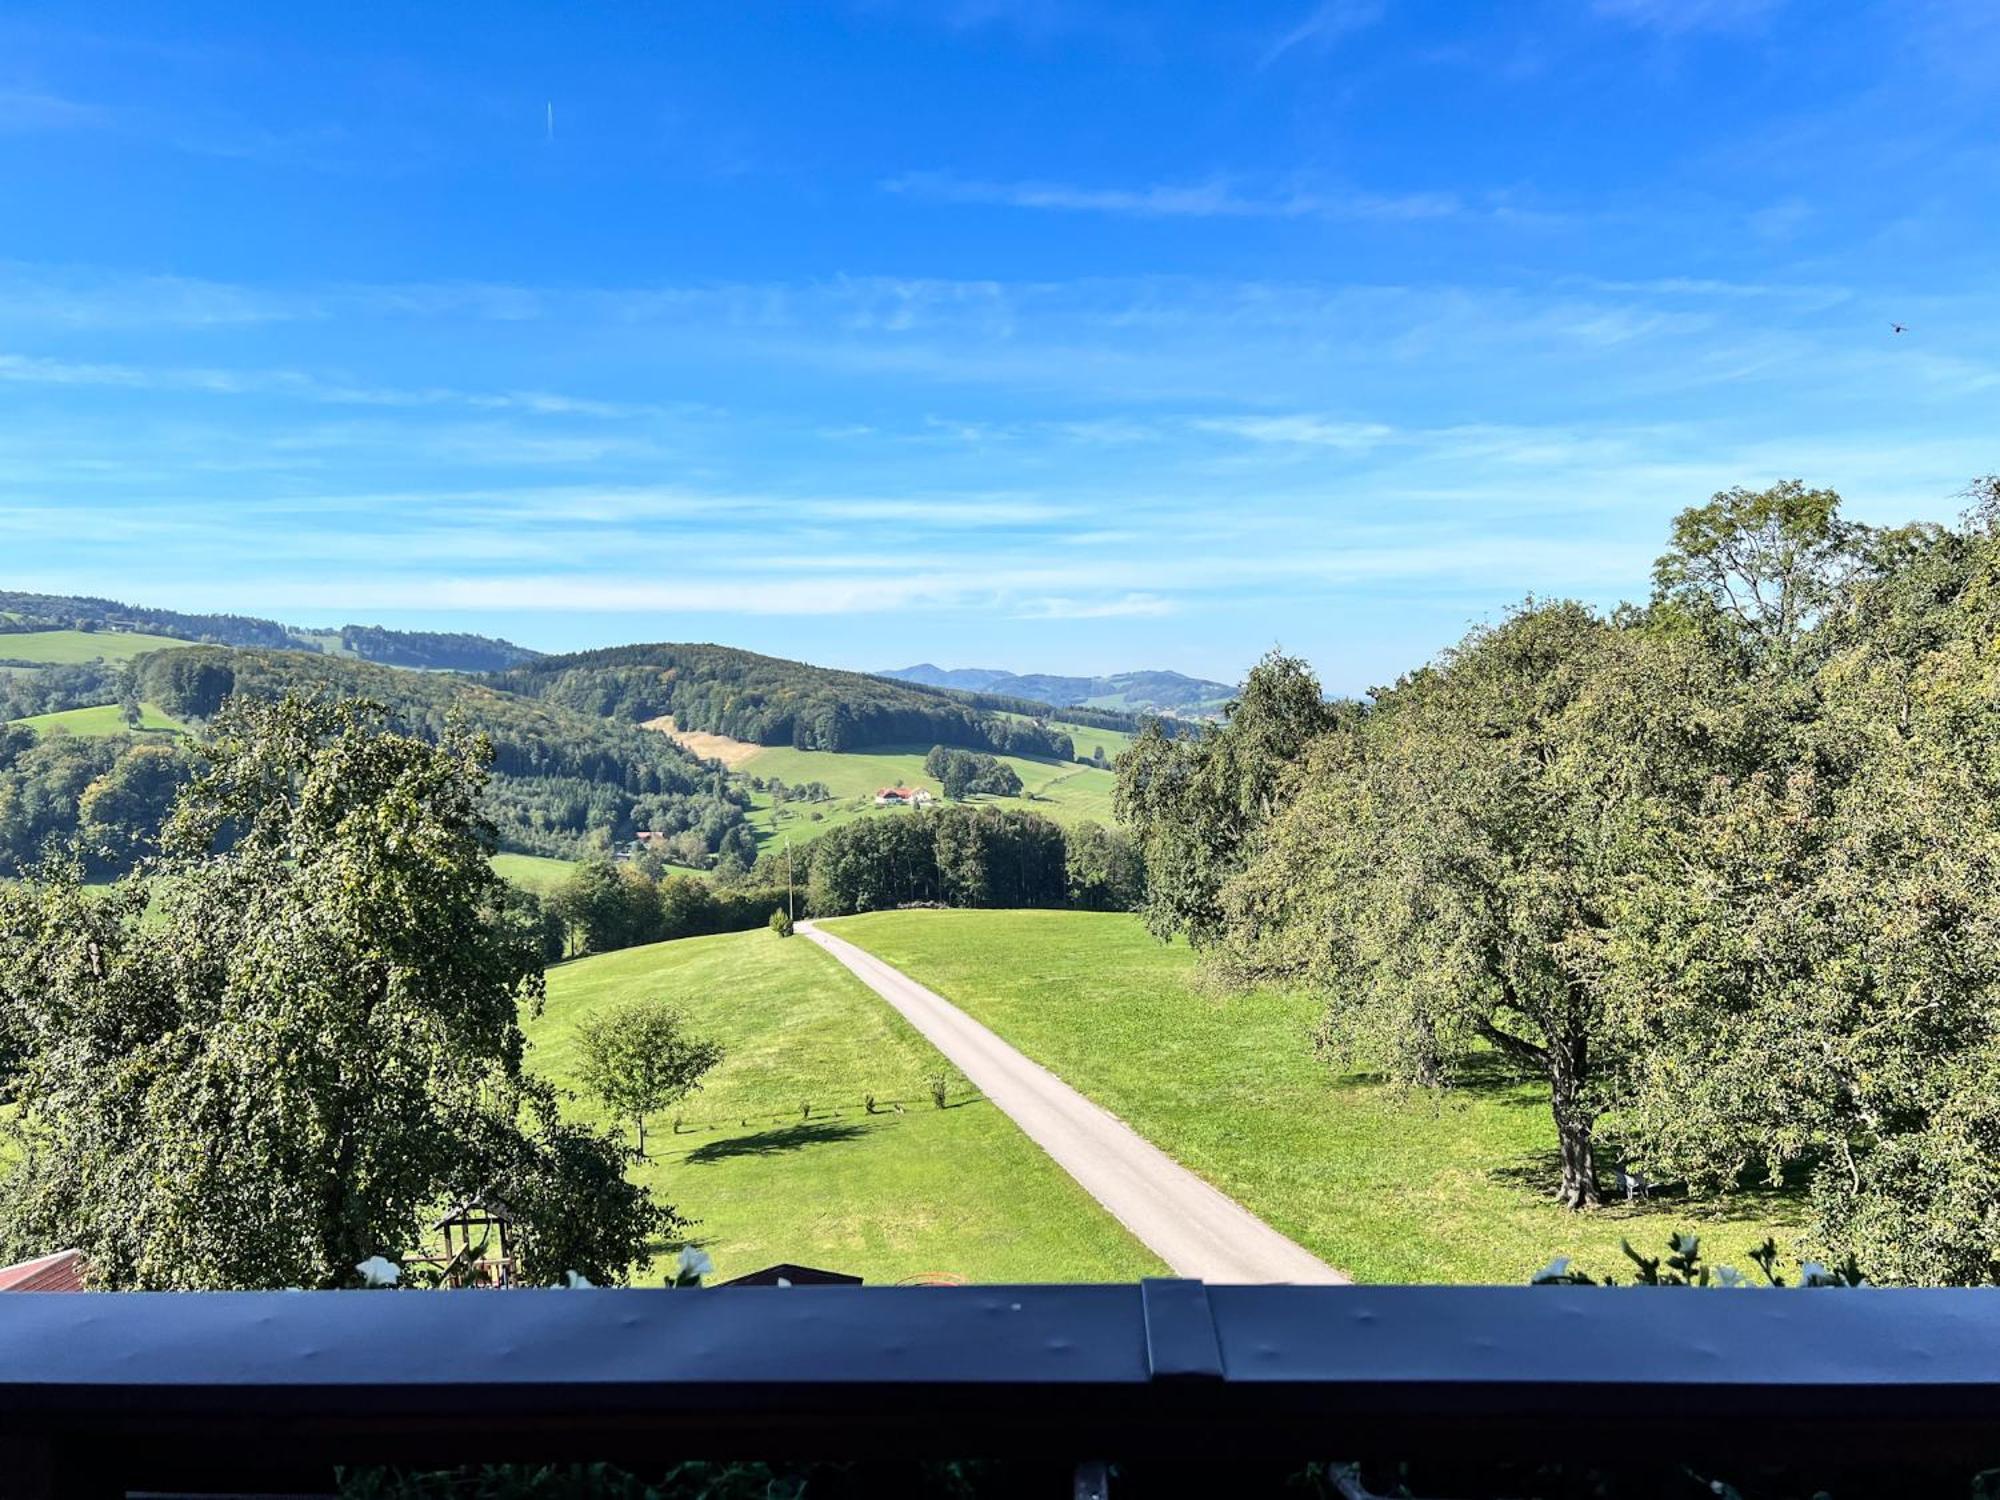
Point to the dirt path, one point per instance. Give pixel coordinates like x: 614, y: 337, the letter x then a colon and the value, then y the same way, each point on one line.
x: 1180, y: 1218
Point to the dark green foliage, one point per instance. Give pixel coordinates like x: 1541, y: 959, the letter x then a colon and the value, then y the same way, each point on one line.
x: 563, y: 784
x: 1724, y: 871
x: 31, y: 690
x: 1104, y: 868
x: 768, y: 701
x: 966, y: 773
x: 405, y: 648
x: 310, y: 1045
x: 955, y: 856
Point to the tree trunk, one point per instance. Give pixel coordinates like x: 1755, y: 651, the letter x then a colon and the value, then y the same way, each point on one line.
x: 642, y: 1134
x: 1579, y: 1154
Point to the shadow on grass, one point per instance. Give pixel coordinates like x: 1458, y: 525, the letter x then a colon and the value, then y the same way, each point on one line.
x: 773, y: 1142
x: 1535, y: 1175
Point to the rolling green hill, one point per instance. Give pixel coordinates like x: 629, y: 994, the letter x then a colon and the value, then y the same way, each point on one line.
x: 882, y: 1196
x: 1389, y: 1186
x: 69, y: 647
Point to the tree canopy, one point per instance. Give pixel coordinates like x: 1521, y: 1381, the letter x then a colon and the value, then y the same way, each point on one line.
x: 309, y: 1046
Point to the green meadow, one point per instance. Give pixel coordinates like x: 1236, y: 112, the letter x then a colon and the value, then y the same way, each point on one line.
x: 1061, y: 791
x: 70, y: 647
x: 1386, y: 1184
x: 104, y: 719
x: 779, y: 1158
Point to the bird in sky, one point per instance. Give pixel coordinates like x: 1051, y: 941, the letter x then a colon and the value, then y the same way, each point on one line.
x: 1899, y: 328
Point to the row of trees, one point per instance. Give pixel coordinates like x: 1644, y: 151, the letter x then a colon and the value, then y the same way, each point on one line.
x: 108, y: 797
x: 966, y: 856
x: 1723, y: 870
x: 298, y: 1049
x: 605, y: 905
x: 768, y: 701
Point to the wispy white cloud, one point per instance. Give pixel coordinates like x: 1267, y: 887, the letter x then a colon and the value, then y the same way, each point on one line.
x: 1214, y: 198
x: 1124, y: 606
x: 1675, y: 17
x: 1323, y: 26
x: 28, y: 110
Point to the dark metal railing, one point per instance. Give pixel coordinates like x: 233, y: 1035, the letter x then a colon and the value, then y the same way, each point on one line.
x: 222, y: 1391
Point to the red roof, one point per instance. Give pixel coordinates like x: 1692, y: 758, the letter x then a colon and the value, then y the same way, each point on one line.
x: 61, y: 1272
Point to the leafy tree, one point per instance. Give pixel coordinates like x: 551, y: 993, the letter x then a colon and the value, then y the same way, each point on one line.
x: 309, y: 1045
x: 637, y: 1059
x: 1196, y: 803
x: 1104, y: 868
x: 122, y: 811
x: 1764, y: 564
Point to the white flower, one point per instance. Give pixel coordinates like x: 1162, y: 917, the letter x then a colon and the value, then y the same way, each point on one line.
x: 1730, y: 1276
x: 1555, y: 1270
x: 575, y: 1282
x: 693, y: 1265
x: 379, y: 1270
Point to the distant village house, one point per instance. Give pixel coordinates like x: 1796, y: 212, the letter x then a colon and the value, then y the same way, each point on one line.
x: 902, y: 796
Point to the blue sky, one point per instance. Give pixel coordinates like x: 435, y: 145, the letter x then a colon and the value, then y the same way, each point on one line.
x: 1047, y: 334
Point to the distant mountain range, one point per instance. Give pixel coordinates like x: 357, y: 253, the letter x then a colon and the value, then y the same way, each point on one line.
x: 1128, y: 692
x: 425, y: 649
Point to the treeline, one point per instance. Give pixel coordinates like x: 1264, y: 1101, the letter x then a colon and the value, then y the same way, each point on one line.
x: 27, y: 689
x: 1722, y: 870
x: 108, y: 795
x: 605, y: 905
x: 965, y: 856
x: 562, y: 784
x: 768, y: 701
x: 408, y: 648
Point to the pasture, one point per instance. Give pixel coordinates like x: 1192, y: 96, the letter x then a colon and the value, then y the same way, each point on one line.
x: 1062, y: 791
x: 104, y: 719
x: 885, y: 1195
x: 1388, y: 1185
x: 71, y: 647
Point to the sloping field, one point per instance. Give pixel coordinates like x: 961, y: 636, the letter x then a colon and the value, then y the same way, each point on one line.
x: 885, y: 1195
x: 95, y: 723
x: 1387, y: 1185
x: 69, y: 647
x: 732, y: 753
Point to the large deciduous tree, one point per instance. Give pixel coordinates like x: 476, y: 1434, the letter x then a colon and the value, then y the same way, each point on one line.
x: 309, y: 1046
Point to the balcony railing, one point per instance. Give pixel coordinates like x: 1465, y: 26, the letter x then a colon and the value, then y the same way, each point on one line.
x: 235, y: 1391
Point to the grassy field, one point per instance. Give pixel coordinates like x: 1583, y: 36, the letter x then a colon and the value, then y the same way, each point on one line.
x: 1084, y: 737
x: 535, y: 872
x: 95, y: 723
x: 1062, y: 791
x: 1386, y: 1185
x: 883, y: 1196
x: 68, y: 647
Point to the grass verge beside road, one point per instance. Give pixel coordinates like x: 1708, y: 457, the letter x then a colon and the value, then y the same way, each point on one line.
x: 884, y: 1195
x: 1387, y: 1185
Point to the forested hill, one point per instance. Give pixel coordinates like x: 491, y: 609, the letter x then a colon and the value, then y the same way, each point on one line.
x: 436, y: 650
x: 564, y: 782
x: 770, y: 701
x: 1122, y: 692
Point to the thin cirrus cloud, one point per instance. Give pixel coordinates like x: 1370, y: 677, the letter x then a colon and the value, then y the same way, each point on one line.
x: 1324, y: 26
x: 1212, y: 199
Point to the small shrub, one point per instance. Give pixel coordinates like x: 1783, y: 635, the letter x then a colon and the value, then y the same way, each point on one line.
x: 1683, y: 1266
x: 940, y: 1086
x: 781, y: 922
x: 806, y: 1110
